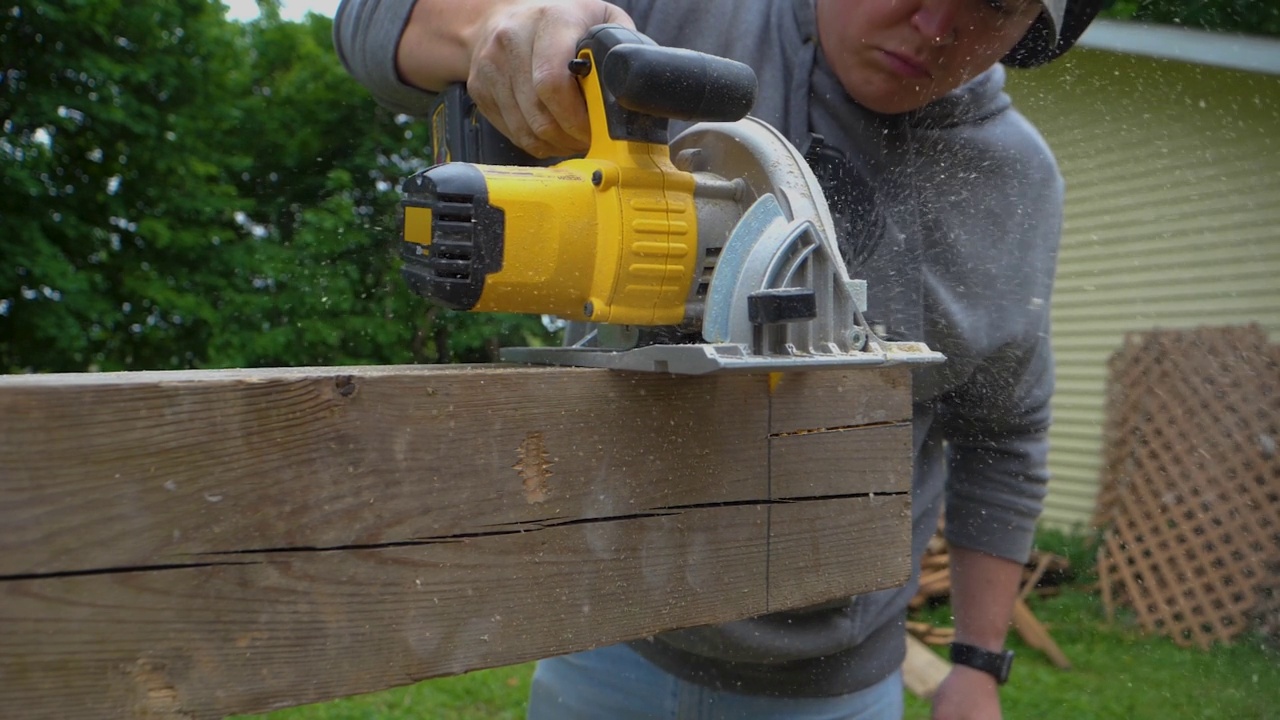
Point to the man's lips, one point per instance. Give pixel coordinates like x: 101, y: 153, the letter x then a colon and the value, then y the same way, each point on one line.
x: 906, y: 65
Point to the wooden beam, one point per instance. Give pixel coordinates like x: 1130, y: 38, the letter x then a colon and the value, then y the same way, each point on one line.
x: 922, y: 670
x: 1034, y: 633
x: 198, y: 544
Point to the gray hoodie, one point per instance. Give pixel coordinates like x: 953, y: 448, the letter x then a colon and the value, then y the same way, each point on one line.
x: 976, y: 199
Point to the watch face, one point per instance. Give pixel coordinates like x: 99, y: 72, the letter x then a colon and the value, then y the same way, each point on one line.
x: 1006, y: 664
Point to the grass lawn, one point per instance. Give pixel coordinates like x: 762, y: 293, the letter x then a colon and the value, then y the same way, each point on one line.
x: 497, y: 694
x: 1118, y: 674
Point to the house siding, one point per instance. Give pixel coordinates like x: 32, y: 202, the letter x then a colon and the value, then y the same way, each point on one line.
x: 1172, y: 221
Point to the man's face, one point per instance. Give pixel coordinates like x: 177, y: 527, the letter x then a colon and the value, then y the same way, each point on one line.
x: 893, y: 56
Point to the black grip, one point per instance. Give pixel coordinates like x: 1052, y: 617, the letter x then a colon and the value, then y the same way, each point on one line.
x: 678, y: 84
x: 644, y: 85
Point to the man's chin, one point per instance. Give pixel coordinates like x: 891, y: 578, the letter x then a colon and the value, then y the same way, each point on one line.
x: 894, y: 104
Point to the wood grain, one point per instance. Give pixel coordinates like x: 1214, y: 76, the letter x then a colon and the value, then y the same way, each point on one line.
x: 854, y: 460
x: 170, y: 470
x: 285, y: 628
x: 839, y: 399
x: 829, y: 548
x: 197, y: 544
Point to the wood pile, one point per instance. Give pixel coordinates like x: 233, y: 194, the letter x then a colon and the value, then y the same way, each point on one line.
x: 931, y: 634
x: 1041, y: 576
x: 922, y: 670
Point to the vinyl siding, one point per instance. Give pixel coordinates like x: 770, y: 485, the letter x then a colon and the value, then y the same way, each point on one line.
x: 1172, y: 221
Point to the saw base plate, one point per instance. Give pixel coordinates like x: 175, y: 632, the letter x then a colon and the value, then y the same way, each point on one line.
x: 704, y: 358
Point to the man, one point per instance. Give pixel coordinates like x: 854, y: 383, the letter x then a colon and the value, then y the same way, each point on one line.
x: 907, y: 97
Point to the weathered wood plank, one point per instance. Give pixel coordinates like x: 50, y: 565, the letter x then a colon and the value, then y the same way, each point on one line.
x: 832, y: 548
x: 198, y: 544
x: 856, y: 460
x: 122, y: 470
x: 278, y: 629
x: 840, y: 398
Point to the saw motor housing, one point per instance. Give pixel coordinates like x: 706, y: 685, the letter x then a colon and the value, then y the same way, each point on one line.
x: 612, y: 237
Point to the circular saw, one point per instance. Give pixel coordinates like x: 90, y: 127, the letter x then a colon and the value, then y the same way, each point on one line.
x: 710, y: 252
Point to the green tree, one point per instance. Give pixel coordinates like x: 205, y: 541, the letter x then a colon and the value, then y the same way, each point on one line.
x: 184, y: 191
x: 1260, y: 17
x: 112, y: 188
x: 326, y: 166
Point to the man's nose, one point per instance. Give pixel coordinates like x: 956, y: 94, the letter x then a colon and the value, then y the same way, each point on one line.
x: 936, y: 20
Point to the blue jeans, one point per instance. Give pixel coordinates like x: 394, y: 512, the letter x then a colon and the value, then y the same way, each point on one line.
x: 615, y: 683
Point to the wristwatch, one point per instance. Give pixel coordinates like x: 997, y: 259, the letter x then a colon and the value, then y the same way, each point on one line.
x: 995, y: 664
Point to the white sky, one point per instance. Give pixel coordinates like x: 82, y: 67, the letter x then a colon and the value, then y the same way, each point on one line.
x: 290, y: 9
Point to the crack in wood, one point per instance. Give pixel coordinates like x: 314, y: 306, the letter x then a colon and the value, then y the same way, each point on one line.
x: 792, y: 499
x: 841, y: 428
x: 509, y: 529
x: 518, y: 528
x: 117, y: 570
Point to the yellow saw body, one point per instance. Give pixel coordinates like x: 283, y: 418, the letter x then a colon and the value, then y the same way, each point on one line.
x: 638, y: 201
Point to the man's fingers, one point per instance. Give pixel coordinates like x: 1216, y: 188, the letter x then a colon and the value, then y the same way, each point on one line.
x: 552, y: 85
x: 556, y: 89
x: 615, y: 14
x: 520, y: 78
x: 498, y: 93
x: 507, y: 115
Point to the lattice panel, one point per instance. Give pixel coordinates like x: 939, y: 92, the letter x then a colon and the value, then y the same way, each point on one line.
x: 1267, y: 613
x: 1190, y: 494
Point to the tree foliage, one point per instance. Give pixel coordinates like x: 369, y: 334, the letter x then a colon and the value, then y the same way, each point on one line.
x: 1259, y: 17
x: 185, y: 191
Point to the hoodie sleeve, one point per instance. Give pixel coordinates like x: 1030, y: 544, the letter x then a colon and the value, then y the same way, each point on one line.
x: 995, y: 270
x: 996, y: 426
x: 366, y: 34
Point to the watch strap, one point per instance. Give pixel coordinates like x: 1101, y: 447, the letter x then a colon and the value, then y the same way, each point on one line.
x: 995, y: 664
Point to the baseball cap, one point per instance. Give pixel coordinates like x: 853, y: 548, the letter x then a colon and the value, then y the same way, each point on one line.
x: 1056, y: 10
x: 1054, y: 32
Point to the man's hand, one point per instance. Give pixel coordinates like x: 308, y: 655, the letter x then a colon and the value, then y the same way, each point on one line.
x: 520, y: 79
x: 966, y: 694
x: 983, y: 589
x: 514, y: 56
x: 519, y: 73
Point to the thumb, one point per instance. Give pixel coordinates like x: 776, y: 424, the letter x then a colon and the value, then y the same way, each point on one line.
x: 616, y: 15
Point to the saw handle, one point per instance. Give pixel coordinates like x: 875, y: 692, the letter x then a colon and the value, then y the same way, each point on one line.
x: 644, y: 85
x: 679, y: 84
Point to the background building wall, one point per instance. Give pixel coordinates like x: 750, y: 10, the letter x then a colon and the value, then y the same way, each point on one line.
x: 1172, y: 221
